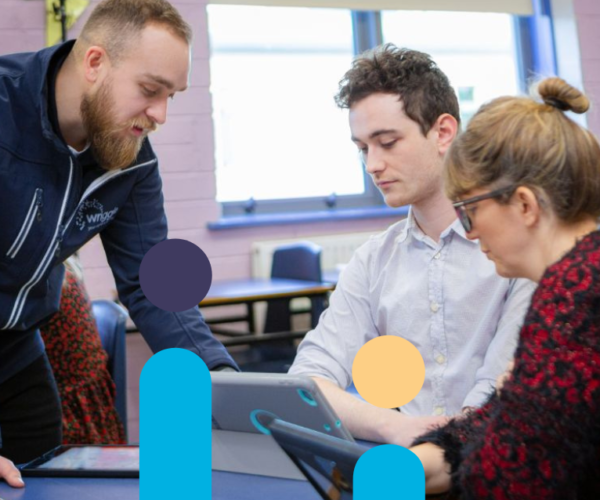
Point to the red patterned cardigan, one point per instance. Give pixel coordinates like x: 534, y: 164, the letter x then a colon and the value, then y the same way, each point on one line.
x: 540, y: 438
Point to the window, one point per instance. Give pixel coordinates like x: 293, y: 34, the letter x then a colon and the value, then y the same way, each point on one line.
x: 281, y: 143
x: 278, y: 132
x: 480, y: 62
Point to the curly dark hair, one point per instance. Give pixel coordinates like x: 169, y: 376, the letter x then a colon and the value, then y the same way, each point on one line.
x: 423, y: 88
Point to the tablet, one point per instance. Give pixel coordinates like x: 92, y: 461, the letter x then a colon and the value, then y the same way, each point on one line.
x: 327, y: 462
x: 86, y: 461
x: 249, y: 402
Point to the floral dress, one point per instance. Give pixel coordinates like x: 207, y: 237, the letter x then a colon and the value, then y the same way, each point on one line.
x: 85, y: 386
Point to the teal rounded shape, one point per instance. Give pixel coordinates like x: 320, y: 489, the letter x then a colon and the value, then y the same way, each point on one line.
x: 389, y: 471
x: 175, y: 427
x: 307, y: 397
x: 257, y: 415
x: 327, y: 427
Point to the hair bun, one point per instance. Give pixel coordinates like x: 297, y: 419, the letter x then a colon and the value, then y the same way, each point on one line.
x: 559, y: 94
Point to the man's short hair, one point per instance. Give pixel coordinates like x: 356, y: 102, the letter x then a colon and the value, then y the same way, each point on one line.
x: 422, y: 87
x: 114, y: 24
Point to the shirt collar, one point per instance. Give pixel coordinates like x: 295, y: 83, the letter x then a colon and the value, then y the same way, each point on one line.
x: 458, y: 228
x: 411, y: 227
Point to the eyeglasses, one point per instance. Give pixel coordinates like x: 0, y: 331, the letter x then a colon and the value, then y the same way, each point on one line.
x: 461, y: 211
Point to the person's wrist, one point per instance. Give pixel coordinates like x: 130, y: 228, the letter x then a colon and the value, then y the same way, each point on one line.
x: 391, y: 427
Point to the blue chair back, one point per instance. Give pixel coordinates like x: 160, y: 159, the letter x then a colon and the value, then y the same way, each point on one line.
x: 298, y: 261
x: 111, y: 319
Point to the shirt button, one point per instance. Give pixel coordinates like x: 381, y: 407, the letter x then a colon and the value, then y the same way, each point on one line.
x: 439, y: 410
x: 434, y: 307
x: 440, y: 359
x: 437, y: 255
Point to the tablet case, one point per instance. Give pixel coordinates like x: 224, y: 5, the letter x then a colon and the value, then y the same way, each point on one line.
x: 248, y: 402
x: 244, y: 404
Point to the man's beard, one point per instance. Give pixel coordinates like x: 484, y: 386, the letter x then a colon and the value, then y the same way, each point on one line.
x: 112, y: 144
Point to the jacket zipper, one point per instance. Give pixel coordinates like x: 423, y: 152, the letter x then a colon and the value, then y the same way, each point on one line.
x: 46, y: 259
x: 35, y: 211
x: 59, y: 232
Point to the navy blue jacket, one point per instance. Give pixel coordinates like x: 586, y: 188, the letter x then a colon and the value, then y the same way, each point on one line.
x: 46, y: 215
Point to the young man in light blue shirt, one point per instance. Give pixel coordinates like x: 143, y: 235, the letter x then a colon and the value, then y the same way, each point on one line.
x: 422, y: 279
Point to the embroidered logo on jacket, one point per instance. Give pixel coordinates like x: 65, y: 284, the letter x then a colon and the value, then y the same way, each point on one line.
x: 91, y: 215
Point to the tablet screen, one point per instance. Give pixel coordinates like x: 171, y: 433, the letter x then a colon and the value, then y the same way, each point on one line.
x: 95, y: 458
x: 86, y: 461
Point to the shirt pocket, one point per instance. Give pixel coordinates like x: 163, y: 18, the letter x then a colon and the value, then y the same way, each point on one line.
x: 34, y: 215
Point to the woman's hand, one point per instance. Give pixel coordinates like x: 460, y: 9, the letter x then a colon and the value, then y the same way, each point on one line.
x: 10, y: 473
x: 437, y: 470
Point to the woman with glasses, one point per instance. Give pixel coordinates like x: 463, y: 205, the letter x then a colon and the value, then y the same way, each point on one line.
x: 526, y: 180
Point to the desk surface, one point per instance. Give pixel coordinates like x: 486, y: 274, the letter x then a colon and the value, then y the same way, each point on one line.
x: 54, y: 488
x: 254, y: 290
x: 226, y: 486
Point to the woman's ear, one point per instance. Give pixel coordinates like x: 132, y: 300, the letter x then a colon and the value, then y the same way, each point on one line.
x: 528, y: 205
x: 447, y: 128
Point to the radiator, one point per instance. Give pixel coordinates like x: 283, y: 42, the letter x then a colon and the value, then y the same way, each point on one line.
x: 337, y: 251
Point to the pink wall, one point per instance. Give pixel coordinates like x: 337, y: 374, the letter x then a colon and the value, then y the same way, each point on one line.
x: 587, y: 13
x: 185, y: 145
x: 21, y: 25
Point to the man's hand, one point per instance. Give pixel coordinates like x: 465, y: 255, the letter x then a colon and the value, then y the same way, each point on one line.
x: 403, y: 430
x: 10, y: 473
x: 370, y: 423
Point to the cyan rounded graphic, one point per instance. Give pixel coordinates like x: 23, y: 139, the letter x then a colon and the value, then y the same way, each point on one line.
x: 175, y: 427
x: 175, y: 275
x: 389, y: 471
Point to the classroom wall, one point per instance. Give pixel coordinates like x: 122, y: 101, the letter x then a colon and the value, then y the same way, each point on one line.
x: 587, y: 14
x: 185, y: 145
x: 21, y: 25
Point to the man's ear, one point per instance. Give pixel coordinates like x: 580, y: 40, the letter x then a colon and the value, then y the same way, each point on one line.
x: 528, y: 205
x: 446, y: 127
x: 95, y: 63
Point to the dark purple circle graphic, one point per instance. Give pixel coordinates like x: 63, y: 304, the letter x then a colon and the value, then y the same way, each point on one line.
x: 175, y: 275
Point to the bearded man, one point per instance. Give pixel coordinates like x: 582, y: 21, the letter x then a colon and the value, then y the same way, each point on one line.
x: 75, y: 161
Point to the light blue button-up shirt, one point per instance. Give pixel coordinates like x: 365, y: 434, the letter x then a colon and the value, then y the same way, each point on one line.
x: 445, y: 297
